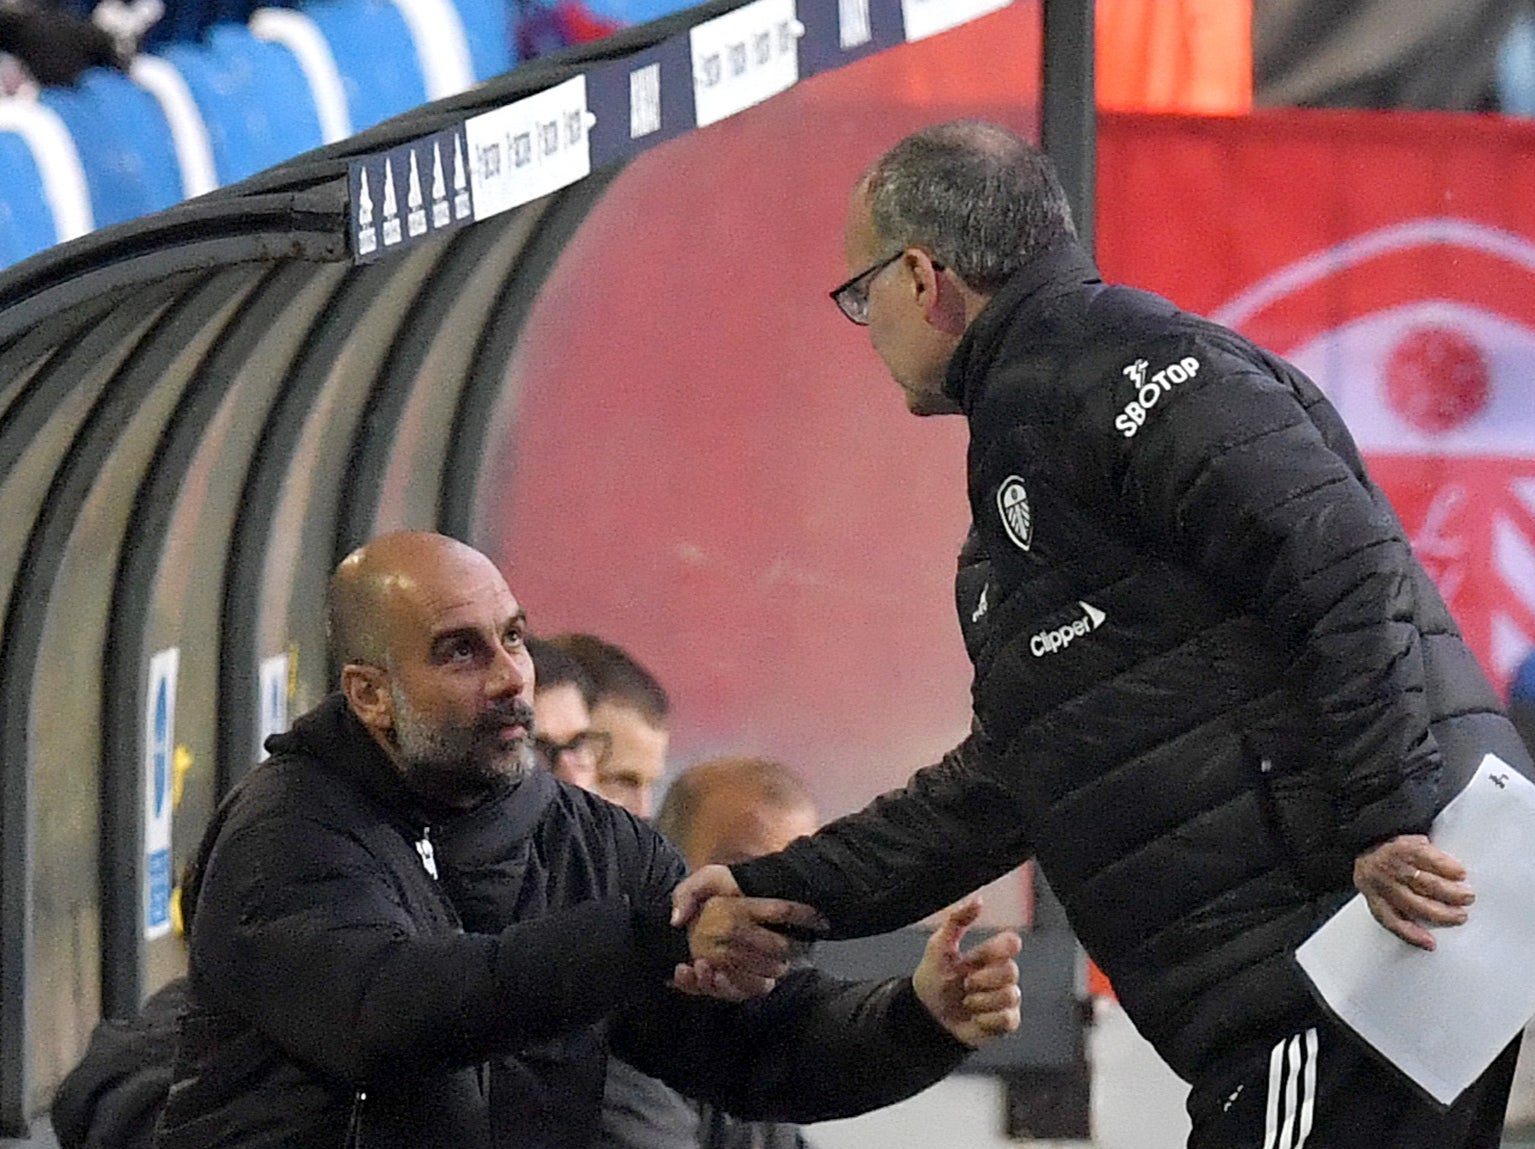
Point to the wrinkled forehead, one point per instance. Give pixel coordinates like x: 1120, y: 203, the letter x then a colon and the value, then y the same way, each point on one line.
x: 452, y: 591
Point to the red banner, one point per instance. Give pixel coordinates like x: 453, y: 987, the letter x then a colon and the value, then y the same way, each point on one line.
x: 1392, y: 257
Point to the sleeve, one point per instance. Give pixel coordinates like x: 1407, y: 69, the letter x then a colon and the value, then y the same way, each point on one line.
x: 1252, y: 480
x: 907, y: 854
x: 299, y: 931
x: 814, y: 1049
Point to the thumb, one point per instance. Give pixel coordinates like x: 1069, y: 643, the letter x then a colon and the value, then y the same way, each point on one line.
x: 958, y: 920
x: 696, y: 889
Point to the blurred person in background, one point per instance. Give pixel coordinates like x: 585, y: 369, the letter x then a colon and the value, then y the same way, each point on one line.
x: 631, y: 710
x: 1521, y: 700
x: 722, y: 810
x: 566, y: 745
x: 1214, y: 692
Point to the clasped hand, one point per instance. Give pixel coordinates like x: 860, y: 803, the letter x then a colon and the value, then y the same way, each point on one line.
x: 741, y: 946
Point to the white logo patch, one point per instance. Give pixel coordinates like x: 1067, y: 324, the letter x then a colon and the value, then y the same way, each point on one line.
x: 1013, y: 505
x: 1149, y: 392
x: 981, y: 606
x: 1051, y: 641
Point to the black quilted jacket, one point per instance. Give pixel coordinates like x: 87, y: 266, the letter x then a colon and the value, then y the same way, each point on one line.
x: 366, y: 974
x: 1208, y: 669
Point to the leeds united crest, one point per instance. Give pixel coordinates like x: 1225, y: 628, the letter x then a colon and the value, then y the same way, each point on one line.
x: 1013, y: 503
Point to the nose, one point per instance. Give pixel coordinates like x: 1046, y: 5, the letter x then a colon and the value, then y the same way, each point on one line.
x: 511, y: 673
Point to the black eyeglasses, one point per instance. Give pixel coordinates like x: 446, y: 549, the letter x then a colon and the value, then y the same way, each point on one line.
x: 595, y: 743
x: 852, y: 297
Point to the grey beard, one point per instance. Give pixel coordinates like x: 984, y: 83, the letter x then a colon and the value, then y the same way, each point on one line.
x: 459, y: 764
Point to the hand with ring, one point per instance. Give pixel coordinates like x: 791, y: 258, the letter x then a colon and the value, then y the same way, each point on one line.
x: 1410, y: 884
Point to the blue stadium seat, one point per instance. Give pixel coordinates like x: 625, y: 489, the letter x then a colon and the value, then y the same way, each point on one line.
x: 113, y: 171
x: 376, y: 56
x: 487, y: 26
x: 44, y: 198
x: 254, y: 98
x: 141, y: 126
x: 26, y: 221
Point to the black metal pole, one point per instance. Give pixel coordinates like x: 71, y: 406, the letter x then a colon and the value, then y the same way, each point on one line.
x: 1069, y: 126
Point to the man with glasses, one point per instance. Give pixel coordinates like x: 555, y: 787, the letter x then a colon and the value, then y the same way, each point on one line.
x: 1214, y: 693
x: 566, y: 745
x: 629, y: 708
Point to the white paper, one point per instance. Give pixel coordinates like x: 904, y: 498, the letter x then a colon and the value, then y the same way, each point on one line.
x: 1442, y: 1017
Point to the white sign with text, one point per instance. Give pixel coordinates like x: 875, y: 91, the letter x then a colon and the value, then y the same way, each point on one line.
x: 743, y: 57
x: 526, y: 150
x: 929, y: 17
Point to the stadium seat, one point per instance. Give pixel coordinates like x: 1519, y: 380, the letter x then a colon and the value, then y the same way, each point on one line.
x: 44, y: 198
x: 188, y: 131
x: 254, y: 99
x: 114, y: 172
x: 301, y: 36
x: 487, y: 27
x: 142, y: 127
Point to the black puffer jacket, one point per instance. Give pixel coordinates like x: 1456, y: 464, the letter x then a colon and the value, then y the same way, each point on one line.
x: 336, y: 999
x: 1208, y: 669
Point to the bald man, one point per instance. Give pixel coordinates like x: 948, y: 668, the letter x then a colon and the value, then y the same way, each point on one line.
x: 407, y: 935
x: 719, y: 811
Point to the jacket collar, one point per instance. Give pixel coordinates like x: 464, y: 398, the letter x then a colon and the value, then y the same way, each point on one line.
x: 333, y: 736
x: 1062, y: 267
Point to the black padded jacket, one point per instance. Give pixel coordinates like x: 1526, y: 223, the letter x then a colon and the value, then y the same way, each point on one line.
x: 337, y: 998
x: 1208, y: 670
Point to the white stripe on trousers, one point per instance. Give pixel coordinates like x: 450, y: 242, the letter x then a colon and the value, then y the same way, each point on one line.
x: 1291, y: 1103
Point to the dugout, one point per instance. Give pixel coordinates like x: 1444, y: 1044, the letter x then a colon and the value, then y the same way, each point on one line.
x: 203, y: 410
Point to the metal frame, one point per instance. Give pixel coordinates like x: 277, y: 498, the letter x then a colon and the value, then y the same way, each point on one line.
x: 1069, y: 117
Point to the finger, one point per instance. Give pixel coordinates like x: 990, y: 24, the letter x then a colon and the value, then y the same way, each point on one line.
x: 997, y: 1023
x: 993, y: 1000
x: 1430, y: 859
x: 1421, y: 909
x: 991, y: 977
x: 776, y: 911
x: 686, y: 980
x: 997, y: 948
x: 1404, y: 928
x: 959, y: 919
x: 1436, y: 888
x: 736, y: 986
x: 696, y: 889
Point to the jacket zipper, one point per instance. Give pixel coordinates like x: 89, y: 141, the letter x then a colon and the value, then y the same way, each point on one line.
x: 354, y: 1123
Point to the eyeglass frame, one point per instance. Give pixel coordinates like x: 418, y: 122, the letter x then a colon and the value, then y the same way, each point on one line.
x: 549, y: 751
x: 852, y: 297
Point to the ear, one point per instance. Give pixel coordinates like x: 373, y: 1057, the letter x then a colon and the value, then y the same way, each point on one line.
x: 939, y: 296
x: 367, y: 693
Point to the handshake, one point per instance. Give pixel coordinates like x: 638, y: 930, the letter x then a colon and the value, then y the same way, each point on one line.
x: 741, y: 946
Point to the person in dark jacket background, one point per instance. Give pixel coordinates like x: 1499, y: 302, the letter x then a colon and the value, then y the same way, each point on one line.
x: 1214, y: 693
x: 406, y: 934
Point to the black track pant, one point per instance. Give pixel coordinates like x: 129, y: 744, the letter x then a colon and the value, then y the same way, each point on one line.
x: 1320, y: 1089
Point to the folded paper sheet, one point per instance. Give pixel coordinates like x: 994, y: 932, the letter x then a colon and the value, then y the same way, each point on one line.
x: 1442, y: 1017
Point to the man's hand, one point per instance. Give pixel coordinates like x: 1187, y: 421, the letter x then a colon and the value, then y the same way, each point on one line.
x: 696, y: 889
x: 1407, y: 881
x: 740, y: 947
x: 973, y: 995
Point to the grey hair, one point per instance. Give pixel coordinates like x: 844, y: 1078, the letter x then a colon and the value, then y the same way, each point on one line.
x: 980, y: 199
